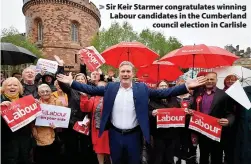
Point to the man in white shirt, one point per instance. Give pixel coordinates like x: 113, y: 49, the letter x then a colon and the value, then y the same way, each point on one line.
x: 125, y: 111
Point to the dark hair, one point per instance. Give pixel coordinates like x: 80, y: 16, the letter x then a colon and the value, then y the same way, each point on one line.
x: 15, y: 73
x: 157, y: 85
x: 230, y: 77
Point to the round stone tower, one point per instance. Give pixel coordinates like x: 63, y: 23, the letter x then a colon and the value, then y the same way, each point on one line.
x: 61, y: 27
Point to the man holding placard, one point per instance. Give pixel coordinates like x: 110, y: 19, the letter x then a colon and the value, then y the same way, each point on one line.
x: 216, y: 103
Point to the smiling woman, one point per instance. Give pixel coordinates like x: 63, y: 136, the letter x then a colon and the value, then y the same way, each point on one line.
x: 12, y: 88
x: 16, y: 145
x: 47, y: 149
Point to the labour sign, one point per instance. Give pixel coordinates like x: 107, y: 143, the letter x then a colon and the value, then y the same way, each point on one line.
x: 56, y: 115
x: 83, y: 126
x: 92, y: 58
x: 206, y: 125
x: 20, y: 112
x: 170, y: 117
x: 79, y: 127
x: 50, y: 66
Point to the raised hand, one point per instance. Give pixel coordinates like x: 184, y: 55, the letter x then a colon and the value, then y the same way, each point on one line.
x: 5, y: 103
x: 37, y: 101
x: 59, y: 61
x: 81, y: 59
x: 52, y: 125
x: 65, y: 79
x: 223, y: 122
x: 193, y: 83
x: 43, y: 70
x: 188, y: 111
x: 154, y: 112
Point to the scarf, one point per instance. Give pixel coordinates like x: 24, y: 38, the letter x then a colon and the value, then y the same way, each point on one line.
x: 12, y: 98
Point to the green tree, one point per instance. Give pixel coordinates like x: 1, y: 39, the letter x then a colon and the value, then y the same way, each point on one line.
x: 12, y: 35
x: 114, y: 35
x: 158, y: 42
x: 118, y: 33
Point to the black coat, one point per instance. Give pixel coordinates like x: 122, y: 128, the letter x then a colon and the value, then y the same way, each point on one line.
x: 15, y: 146
x: 157, y: 104
x: 222, y: 105
x: 73, y: 101
x: 243, y: 140
x: 6, y: 131
x: 32, y: 89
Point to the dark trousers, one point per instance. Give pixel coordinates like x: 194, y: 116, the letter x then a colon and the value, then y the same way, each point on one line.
x: 163, y: 151
x: 78, y: 148
x: 208, y: 146
x: 47, y: 154
x: 16, y: 150
x: 228, y: 140
x: 184, y: 148
x: 125, y: 147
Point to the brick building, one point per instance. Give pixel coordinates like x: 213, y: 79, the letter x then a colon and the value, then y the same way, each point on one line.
x: 61, y: 27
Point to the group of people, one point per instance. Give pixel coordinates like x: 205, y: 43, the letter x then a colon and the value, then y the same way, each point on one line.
x: 123, y: 119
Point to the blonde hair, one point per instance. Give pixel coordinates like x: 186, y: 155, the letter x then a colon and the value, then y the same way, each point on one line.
x: 127, y: 63
x: 8, y: 80
x: 80, y: 74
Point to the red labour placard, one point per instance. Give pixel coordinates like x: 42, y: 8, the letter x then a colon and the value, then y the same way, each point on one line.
x: 92, y: 58
x: 170, y: 117
x: 81, y: 129
x: 20, y: 112
x: 206, y: 125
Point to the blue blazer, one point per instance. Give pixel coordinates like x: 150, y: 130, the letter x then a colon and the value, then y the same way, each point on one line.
x: 141, y: 94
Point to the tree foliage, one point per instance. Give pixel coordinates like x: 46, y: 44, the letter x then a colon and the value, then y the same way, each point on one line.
x: 118, y: 33
x: 12, y: 35
x: 158, y: 42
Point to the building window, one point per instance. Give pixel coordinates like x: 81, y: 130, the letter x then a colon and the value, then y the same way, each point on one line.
x: 74, y: 32
x: 76, y: 58
x: 39, y: 31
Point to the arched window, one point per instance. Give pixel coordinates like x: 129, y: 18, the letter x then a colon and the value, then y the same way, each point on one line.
x: 74, y: 32
x: 39, y: 31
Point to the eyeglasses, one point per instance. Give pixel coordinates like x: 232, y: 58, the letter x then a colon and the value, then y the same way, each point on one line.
x: 45, y: 92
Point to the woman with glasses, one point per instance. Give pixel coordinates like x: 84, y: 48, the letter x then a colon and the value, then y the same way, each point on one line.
x: 47, y: 149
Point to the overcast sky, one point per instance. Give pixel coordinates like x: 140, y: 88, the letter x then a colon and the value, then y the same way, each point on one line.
x: 11, y: 15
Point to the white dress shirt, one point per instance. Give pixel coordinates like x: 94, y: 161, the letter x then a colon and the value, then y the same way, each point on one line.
x: 123, y: 112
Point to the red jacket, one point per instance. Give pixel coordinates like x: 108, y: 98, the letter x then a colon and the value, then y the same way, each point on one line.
x: 101, y: 144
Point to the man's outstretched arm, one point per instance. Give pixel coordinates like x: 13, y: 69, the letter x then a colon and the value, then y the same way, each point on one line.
x: 169, y: 92
x: 178, y: 90
x: 91, y: 90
